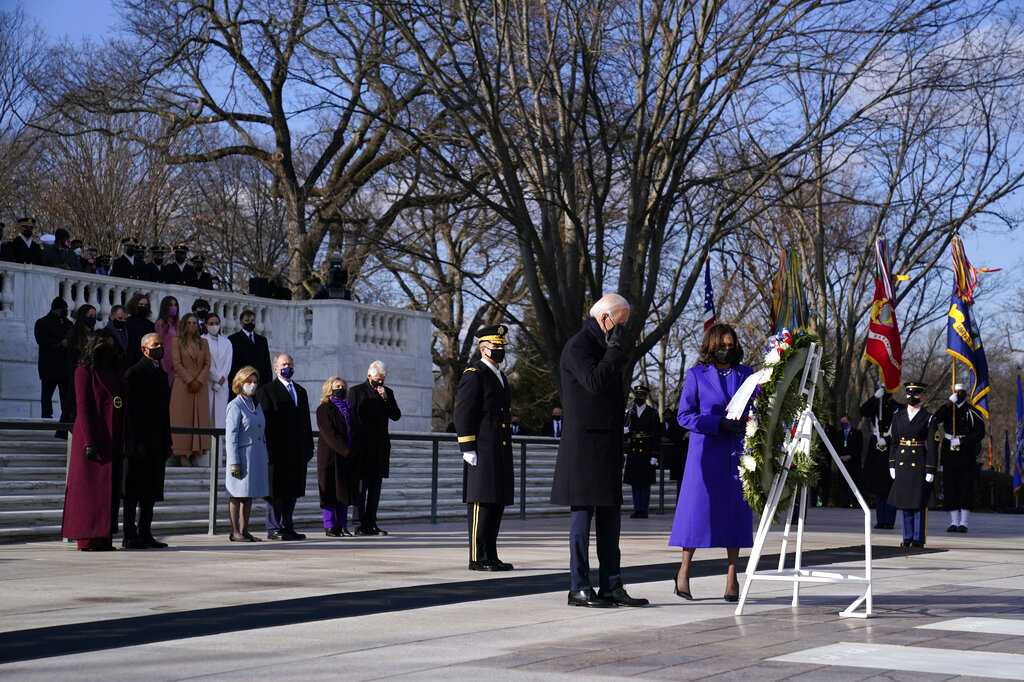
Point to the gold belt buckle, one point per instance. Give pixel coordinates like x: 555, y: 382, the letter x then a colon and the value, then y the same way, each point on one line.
x: 118, y: 402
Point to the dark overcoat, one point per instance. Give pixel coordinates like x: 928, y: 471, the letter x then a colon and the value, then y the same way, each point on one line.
x: 673, y: 448
x: 172, y: 274
x: 20, y: 252
x: 483, y: 412
x: 122, y: 267
x: 912, y: 453
x: 289, y: 438
x: 372, y: 440
x: 149, y: 400
x: 641, y: 445
x: 588, y: 470
x: 875, y: 476
x: 137, y: 327
x: 151, y: 272
x: 94, y: 487
x: 966, y: 423
x: 255, y: 354
x: 50, y: 333
x: 335, y: 468
x: 849, y: 445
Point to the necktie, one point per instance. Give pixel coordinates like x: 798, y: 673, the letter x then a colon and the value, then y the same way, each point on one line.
x: 291, y: 390
x: 252, y: 339
x: 558, y: 429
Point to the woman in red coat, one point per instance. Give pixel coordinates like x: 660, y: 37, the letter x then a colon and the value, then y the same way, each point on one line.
x: 101, y: 430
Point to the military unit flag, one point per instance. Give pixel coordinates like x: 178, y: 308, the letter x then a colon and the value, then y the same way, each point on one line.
x: 963, y: 340
x: 709, y: 297
x: 1018, y: 465
x: 883, y: 347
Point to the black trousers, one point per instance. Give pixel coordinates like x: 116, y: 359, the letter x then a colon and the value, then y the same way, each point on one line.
x: 145, y: 509
x: 607, y: 529
x: 46, y: 397
x: 279, y: 514
x: 484, y: 523
x: 369, y: 500
x: 958, y: 488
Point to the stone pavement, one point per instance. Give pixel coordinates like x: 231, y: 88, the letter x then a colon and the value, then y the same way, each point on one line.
x: 404, y: 606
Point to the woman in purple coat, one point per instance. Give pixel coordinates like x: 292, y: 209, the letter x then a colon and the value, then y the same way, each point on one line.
x: 711, y: 511
x: 102, y: 427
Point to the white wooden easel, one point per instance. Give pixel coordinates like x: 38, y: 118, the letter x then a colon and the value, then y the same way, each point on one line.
x: 800, y: 441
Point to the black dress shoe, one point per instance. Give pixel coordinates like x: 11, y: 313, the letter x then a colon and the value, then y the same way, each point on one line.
x: 879, y: 526
x: 378, y: 531
x: 153, y: 543
x: 952, y: 528
x: 345, y: 532
x: 619, y: 596
x: 365, y: 531
x: 961, y: 529
x: 635, y: 515
x: 590, y: 599
x: 134, y: 543
x: 290, y: 534
x: 332, y: 532
x: 276, y: 535
x: 250, y: 537
x: 906, y: 543
x: 483, y: 566
x: 502, y: 566
x: 917, y: 543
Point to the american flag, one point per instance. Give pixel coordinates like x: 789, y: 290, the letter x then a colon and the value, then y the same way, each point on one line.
x: 709, y: 297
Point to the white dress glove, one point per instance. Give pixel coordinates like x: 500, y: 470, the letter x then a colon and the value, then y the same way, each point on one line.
x: 654, y: 461
x: 470, y: 458
x: 955, y: 442
x: 880, y: 392
x: 892, y: 472
x: 625, y: 430
x: 928, y: 478
x: 952, y: 398
x: 881, y: 441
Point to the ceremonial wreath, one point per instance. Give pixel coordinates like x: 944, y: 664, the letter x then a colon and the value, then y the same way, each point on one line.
x: 777, y: 406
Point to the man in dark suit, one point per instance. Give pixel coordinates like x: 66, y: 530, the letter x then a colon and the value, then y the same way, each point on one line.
x: 553, y: 426
x: 22, y: 249
x: 179, y: 271
x: 848, y: 443
x: 117, y: 324
x: 153, y: 270
x: 289, y: 444
x: 128, y: 265
x: 149, y: 400
x: 51, y: 332
x: 373, y: 404
x: 588, y: 470
x: 249, y: 348
x: 482, y: 421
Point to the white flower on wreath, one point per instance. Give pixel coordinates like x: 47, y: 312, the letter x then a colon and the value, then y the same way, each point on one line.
x: 751, y: 427
x: 748, y: 463
x: 772, y: 357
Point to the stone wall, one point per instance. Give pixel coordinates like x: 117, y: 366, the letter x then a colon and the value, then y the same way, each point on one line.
x: 325, y: 337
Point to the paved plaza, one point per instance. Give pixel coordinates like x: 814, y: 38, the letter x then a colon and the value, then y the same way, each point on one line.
x: 404, y: 606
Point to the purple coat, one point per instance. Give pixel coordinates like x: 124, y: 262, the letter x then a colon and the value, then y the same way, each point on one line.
x: 711, y: 511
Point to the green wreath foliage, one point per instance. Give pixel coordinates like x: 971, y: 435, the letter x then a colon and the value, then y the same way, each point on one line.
x: 777, y: 406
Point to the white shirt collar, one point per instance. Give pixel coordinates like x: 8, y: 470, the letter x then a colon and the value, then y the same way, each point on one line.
x: 284, y: 381
x: 27, y: 241
x: 912, y: 411
x: 494, y: 368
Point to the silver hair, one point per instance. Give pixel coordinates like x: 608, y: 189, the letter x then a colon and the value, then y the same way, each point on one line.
x: 142, y: 341
x: 609, y: 304
x: 282, y: 355
x: 377, y: 367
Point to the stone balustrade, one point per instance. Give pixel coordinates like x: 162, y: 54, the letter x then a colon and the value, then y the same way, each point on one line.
x: 326, y: 337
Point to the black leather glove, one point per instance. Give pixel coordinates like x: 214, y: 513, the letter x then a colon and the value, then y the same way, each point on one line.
x: 92, y: 453
x: 735, y: 426
x: 615, y: 336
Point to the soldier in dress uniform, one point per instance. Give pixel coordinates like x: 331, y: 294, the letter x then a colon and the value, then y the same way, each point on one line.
x: 879, y: 410
x: 963, y: 430
x: 153, y: 270
x: 127, y: 265
x: 484, y: 427
x: 912, y: 463
x: 22, y: 249
x: 203, y: 279
x: 179, y: 271
x: 642, y: 429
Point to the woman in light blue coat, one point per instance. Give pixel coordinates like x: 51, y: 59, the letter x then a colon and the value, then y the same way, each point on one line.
x: 247, y: 474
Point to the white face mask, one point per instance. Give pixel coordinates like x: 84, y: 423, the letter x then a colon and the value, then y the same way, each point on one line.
x: 248, y: 389
x: 213, y: 329
x: 78, y: 252
x: 215, y: 286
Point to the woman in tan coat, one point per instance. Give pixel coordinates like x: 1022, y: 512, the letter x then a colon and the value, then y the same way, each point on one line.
x: 190, y: 402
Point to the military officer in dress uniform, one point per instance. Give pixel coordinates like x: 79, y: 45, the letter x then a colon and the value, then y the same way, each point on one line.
x: 483, y: 423
x: 128, y: 265
x: 203, y: 279
x: 879, y: 410
x: 642, y: 428
x: 912, y: 463
x: 153, y: 270
x: 963, y: 430
x: 22, y: 249
x: 179, y: 271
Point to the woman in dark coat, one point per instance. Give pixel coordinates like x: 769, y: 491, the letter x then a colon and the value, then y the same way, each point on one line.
x: 78, y: 338
x: 102, y: 426
x: 138, y: 325
x: 339, y: 483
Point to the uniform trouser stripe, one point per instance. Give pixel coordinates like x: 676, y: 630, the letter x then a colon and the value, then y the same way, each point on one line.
x: 484, y: 524
x: 474, y: 523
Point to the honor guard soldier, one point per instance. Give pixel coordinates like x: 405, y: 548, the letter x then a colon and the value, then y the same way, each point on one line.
x: 912, y: 463
x: 203, y: 279
x: 963, y: 430
x: 153, y: 270
x: 179, y: 271
x: 483, y: 423
x: 642, y: 428
x: 128, y: 265
x: 22, y: 249
x: 879, y: 410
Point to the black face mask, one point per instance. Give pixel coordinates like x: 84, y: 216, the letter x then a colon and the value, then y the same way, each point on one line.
x: 202, y: 314
x: 726, y: 356
x: 497, y: 355
x: 179, y: 259
x: 961, y: 396
x: 158, y: 260
x: 913, y: 400
x: 129, y: 252
x: 156, y: 354
x: 249, y: 326
x: 376, y: 384
x: 557, y: 419
x: 119, y: 324
x: 27, y: 234
x: 143, y: 311
x: 339, y: 393
x: 59, y: 312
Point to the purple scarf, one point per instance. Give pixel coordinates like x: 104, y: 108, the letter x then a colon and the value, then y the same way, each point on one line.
x: 345, y: 407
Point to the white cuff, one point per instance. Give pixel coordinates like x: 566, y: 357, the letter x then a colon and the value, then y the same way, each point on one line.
x: 929, y: 478
x: 892, y: 472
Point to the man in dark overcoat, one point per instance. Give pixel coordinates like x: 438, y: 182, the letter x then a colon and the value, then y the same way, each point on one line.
x: 249, y: 349
x: 373, y: 405
x: 642, y: 429
x: 848, y: 442
x: 963, y: 430
x: 289, y: 445
x: 674, y: 439
x: 149, y: 401
x: 51, y: 332
x: 178, y: 271
x: 913, y: 460
x: 879, y: 410
x: 483, y: 411
x: 153, y: 270
x: 129, y: 264
x: 588, y: 470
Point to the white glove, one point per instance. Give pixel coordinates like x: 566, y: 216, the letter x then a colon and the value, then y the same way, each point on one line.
x: 470, y: 458
x: 892, y: 472
x: 625, y: 430
x: 880, y: 392
x: 928, y: 478
x: 952, y: 398
x: 654, y: 461
x: 955, y: 442
x: 881, y: 441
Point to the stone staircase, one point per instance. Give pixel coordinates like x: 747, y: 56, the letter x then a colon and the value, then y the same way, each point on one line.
x: 32, y: 476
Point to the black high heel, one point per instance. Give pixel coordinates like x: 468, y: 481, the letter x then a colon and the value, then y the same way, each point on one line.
x: 733, y: 597
x: 679, y: 593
